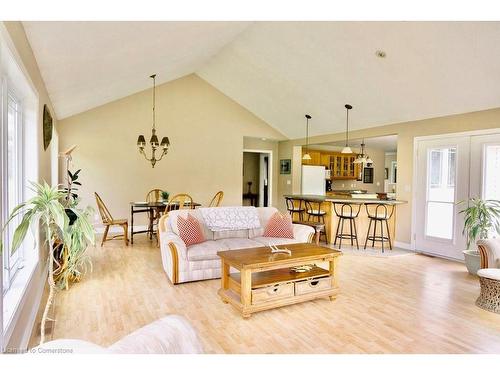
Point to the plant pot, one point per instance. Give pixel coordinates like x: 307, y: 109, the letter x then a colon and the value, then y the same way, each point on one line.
x: 472, y: 261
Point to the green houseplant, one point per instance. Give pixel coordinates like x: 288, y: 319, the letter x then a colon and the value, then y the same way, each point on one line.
x: 480, y: 218
x: 165, y: 195
x: 46, y: 211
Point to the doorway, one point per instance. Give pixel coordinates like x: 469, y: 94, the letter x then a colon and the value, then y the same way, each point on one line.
x: 451, y: 169
x: 257, y: 176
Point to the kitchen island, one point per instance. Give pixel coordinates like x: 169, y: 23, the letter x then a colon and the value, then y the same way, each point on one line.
x: 326, y: 203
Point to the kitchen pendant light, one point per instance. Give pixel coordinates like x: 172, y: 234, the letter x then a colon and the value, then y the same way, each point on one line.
x: 347, y: 149
x: 361, y: 158
x: 141, y: 141
x: 306, y: 156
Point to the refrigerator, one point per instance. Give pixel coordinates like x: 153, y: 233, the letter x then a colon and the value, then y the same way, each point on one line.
x: 313, y: 180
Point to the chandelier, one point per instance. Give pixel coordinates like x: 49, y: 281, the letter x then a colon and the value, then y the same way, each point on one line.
x: 363, y: 158
x: 141, y: 141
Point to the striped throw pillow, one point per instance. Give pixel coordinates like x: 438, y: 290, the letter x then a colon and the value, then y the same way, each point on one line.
x: 279, y: 226
x: 190, y: 230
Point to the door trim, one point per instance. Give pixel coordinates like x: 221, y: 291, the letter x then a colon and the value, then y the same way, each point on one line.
x: 414, y: 184
x: 270, y: 172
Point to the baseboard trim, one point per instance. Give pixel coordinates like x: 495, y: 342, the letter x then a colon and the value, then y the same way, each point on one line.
x: 403, y: 245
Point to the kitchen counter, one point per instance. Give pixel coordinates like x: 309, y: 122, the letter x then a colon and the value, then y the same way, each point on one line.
x: 343, y: 199
x: 326, y: 203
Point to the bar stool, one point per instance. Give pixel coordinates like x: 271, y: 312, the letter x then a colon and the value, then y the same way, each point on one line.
x: 378, y: 213
x: 345, y: 211
x: 293, y: 207
x: 317, y: 214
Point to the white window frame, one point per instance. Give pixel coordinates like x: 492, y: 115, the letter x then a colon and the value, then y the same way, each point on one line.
x: 11, y: 266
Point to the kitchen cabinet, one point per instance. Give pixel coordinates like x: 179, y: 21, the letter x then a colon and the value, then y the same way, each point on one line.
x: 344, y: 167
x: 325, y: 160
x: 315, y: 158
x: 341, y: 165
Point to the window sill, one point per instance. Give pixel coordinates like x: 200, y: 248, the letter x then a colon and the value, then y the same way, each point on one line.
x: 12, y: 299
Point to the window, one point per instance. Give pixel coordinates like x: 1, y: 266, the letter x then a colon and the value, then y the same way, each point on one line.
x: 441, y: 192
x: 491, y: 172
x: 12, y: 179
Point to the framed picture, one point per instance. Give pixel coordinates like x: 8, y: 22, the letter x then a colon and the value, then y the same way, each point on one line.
x: 386, y: 173
x: 47, y: 127
x: 285, y: 166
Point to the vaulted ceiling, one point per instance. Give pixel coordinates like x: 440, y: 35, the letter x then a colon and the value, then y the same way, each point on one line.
x: 281, y: 70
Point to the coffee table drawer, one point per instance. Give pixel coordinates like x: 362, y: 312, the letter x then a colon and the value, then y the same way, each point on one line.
x: 271, y: 293
x: 314, y: 285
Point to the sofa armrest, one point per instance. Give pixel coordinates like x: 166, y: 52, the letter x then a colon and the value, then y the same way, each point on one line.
x: 489, y: 251
x: 303, y: 233
x: 173, y: 254
x: 170, y: 335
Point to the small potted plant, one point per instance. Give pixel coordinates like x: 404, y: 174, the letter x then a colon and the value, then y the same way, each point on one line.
x: 481, y: 217
x: 165, y: 195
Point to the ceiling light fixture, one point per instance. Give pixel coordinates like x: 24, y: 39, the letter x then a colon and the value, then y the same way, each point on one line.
x: 363, y: 158
x: 380, y: 53
x: 347, y: 149
x: 141, y: 141
x: 306, y: 156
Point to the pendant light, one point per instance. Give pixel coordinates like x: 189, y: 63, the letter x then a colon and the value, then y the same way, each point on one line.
x: 347, y: 149
x: 361, y: 158
x: 306, y: 155
x: 141, y: 141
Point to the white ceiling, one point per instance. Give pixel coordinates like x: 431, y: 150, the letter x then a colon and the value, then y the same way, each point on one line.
x: 87, y: 64
x: 281, y: 70
x: 388, y: 143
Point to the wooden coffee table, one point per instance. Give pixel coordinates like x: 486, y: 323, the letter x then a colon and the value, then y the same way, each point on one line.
x: 266, y: 281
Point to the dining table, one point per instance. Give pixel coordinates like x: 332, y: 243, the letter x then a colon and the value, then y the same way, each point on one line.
x: 151, y: 207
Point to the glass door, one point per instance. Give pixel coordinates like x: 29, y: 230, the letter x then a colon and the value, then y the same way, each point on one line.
x: 443, y: 180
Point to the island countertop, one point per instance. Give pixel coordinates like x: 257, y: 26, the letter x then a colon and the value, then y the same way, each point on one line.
x: 344, y: 199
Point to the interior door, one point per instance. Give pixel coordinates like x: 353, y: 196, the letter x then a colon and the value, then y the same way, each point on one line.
x: 442, y: 180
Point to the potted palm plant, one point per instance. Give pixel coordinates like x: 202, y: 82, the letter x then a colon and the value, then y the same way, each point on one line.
x: 45, y: 210
x: 481, y: 217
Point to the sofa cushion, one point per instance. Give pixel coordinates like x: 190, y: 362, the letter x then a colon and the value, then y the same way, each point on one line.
x: 266, y: 241
x: 279, y: 226
x: 190, y: 230
x: 173, y: 215
x: 206, y: 250
x: 239, y: 243
x: 265, y: 214
x: 220, y: 235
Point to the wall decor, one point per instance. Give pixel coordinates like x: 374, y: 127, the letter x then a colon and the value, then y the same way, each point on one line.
x: 386, y: 173
x: 285, y: 166
x: 47, y: 127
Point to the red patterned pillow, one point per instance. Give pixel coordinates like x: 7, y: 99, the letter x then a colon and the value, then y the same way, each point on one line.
x: 279, y: 226
x: 190, y: 230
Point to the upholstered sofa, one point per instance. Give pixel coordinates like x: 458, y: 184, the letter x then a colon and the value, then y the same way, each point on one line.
x: 200, y: 261
x: 170, y: 335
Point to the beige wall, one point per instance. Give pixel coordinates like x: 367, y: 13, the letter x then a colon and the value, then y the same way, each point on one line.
x: 489, y: 119
x: 206, y: 131
x: 30, y: 302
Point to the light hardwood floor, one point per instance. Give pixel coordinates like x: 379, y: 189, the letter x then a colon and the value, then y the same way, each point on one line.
x: 405, y: 304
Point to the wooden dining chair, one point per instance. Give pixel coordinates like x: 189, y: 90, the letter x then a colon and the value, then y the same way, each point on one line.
x: 217, y: 199
x: 177, y: 202
x: 108, y: 221
x: 154, y: 196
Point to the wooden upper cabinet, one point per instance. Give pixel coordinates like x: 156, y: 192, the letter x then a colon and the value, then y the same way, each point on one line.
x: 341, y: 165
x: 315, y: 158
x: 325, y: 160
x: 344, y: 167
